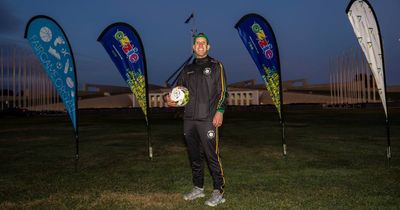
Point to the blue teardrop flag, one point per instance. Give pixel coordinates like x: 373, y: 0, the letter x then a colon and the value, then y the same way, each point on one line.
x: 51, y: 46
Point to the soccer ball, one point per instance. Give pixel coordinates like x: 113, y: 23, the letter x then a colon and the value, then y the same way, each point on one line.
x: 180, y: 95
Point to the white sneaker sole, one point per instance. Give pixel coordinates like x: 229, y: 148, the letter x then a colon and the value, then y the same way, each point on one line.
x: 212, y: 204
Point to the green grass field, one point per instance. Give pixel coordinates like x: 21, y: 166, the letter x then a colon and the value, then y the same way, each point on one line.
x: 336, y: 160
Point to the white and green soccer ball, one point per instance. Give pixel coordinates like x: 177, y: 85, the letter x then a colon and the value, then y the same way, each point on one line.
x: 180, y: 95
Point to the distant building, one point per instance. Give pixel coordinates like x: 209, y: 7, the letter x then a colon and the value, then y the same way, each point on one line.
x: 243, y: 93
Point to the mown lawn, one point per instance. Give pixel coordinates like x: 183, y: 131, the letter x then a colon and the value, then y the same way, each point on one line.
x: 336, y: 160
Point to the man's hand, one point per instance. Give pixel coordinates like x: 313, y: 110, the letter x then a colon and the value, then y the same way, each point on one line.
x: 218, y: 118
x: 170, y: 103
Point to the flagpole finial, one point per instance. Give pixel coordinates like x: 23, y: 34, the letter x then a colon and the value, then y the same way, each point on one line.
x: 191, y: 16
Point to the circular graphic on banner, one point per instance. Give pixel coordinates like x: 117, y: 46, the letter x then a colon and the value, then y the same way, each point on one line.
x: 45, y: 34
x: 70, y: 83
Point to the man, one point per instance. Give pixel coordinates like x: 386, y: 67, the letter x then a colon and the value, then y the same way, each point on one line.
x: 205, y: 80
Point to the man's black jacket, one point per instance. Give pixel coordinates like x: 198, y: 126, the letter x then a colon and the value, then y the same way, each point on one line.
x: 206, y: 81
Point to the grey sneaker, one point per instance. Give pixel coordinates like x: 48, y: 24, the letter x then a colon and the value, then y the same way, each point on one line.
x: 196, y: 192
x: 216, y: 198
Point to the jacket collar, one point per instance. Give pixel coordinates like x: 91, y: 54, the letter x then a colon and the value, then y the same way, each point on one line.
x: 201, y: 61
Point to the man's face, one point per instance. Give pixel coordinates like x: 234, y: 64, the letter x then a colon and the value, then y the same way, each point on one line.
x: 201, y: 47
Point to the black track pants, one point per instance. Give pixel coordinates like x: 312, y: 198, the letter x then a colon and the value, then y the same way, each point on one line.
x: 202, y: 142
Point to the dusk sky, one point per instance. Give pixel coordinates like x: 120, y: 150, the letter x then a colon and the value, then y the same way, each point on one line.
x: 308, y: 32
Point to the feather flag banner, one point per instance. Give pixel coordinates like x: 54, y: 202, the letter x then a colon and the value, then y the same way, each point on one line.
x: 124, y: 46
x: 366, y: 29
x: 51, y: 46
x: 259, y: 39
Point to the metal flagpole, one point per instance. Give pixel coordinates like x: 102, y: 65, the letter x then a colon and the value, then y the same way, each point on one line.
x: 330, y: 87
x: 2, y: 78
x: 194, y: 29
x: 388, y: 149
x: 32, y: 86
x: 352, y: 80
x: 341, y: 80
x: 28, y: 88
x: 13, y: 77
x: 37, y: 88
x: 44, y: 92
x: 59, y: 107
x: 346, y: 77
x: 345, y: 72
x: 335, y: 84
x: 360, y: 80
x: 40, y: 91
x: 54, y: 98
x: 48, y: 84
x: 44, y: 84
x: 29, y: 66
x: 8, y: 69
x: 352, y: 74
x: 330, y: 80
x: 368, y: 87
x: 355, y: 77
x: 363, y: 83
x: 39, y: 84
x: 282, y: 113
x: 356, y: 66
x: 349, y: 78
x: 373, y: 90
x: 19, y: 81
x: 24, y: 79
x: 337, y: 99
x: 338, y: 84
x: 342, y: 77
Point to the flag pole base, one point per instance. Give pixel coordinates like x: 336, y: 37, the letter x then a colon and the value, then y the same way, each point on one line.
x: 151, y: 153
x: 388, y: 156
x: 284, y: 150
x: 76, y: 162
